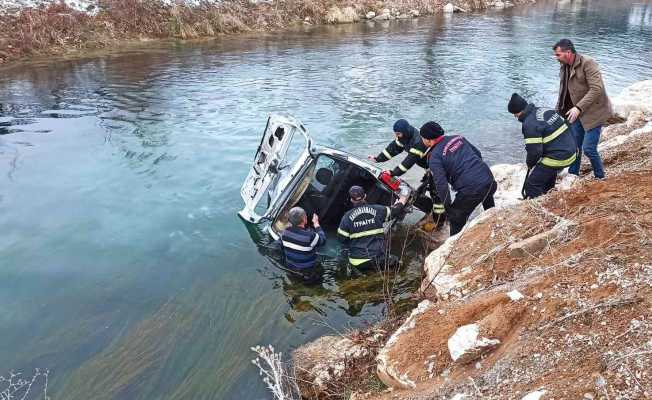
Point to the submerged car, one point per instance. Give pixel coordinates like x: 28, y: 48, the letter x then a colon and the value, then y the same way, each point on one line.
x: 289, y: 170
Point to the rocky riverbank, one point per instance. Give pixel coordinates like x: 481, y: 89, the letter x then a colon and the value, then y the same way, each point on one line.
x: 32, y: 28
x: 538, y: 299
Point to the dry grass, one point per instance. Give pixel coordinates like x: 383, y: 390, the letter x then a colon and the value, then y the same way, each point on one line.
x: 59, y: 29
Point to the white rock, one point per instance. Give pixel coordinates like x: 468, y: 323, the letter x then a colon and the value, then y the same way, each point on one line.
x: 465, y: 345
x: 383, y: 17
x: 637, y: 97
x: 414, y: 13
x: 459, y: 396
x: 370, y: 15
x: 499, y: 4
x: 449, y: 8
x: 515, y: 295
x: 436, y: 269
x: 534, y: 395
x: 509, y: 178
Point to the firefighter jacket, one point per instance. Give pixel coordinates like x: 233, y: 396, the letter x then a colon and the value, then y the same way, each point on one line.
x: 548, y: 139
x: 411, y: 143
x: 361, y: 230
x: 454, y: 160
x: 299, y: 246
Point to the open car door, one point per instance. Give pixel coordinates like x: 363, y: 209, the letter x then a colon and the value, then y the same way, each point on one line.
x: 283, y: 151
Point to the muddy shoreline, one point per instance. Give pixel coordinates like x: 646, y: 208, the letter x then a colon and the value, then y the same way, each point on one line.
x: 537, y: 299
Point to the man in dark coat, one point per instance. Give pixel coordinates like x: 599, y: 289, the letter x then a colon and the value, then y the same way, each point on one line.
x: 407, y: 139
x: 454, y: 160
x: 549, y: 144
x: 362, y: 231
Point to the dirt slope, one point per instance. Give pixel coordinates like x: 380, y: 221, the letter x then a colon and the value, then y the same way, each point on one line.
x: 584, y: 326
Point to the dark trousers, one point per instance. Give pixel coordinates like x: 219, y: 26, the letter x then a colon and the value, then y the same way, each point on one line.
x: 378, y: 263
x: 425, y: 203
x: 460, y: 210
x: 312, y: 275
x: 540, y: 181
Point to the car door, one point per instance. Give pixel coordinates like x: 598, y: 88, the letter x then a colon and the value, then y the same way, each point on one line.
x: 283, y: 152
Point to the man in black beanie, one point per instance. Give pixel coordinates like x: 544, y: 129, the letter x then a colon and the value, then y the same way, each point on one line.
x: 549, y: 144
x: 454, y: 160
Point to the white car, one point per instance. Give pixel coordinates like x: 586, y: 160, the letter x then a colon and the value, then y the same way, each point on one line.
x: 288, y: 171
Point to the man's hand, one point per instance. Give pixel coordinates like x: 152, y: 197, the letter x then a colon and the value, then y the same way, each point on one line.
x: 315, y: 220
x: 572, y: 114
x: 372, y: 158
x: 403, y: 200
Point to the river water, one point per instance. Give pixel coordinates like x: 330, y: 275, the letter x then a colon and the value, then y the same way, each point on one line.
x: 123, y: 266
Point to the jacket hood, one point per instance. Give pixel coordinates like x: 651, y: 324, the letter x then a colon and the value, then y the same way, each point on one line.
x: 526, y: 112
x: 405, y: 128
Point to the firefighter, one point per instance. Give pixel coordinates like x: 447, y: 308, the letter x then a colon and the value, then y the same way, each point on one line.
x: 549, y: 144
x: 361, y: 231
x: 454, y: 160
x: 408, y: 140
x: 300, y: 244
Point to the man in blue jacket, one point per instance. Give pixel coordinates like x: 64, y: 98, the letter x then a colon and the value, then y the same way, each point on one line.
x: 408, y: 140
x: 454, y: 160
x: 549, y: 144
x: 300, y: 244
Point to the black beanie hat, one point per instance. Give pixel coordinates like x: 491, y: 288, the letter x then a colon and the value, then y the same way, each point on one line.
x: 431, y: 130
x: 516, y: 104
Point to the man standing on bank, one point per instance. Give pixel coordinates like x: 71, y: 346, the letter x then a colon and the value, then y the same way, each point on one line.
x: 583, y: 102
x: 407, y: 139
x: 454, y: 160
x: 549, y: 145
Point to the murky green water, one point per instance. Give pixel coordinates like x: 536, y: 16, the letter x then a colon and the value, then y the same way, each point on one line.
x: 123, y: 266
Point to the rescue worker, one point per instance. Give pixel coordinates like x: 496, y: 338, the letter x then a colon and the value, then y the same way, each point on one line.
x: 299, y: 245
x: 361, y: 231
x: 549, y: 144
x: 408, y: 139
x: 454, y: 160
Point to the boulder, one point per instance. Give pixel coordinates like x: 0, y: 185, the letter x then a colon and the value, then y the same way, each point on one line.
x: 536, y: 395
x: 370, y: 15
x: 499, y: 4
x: 534, y: 245
x: 336, y: 15
x: 439, y: 280
x: 466, y: 345
x: 414, y: 13
x: 637, y: 97
x: 449, y: 8
x: 318, y: 363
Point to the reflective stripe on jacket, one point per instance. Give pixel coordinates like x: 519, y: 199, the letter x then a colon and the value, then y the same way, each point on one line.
x: 410, y: 143
x: 361, y: 230
x: 299, y: 246
x: 548, y: 139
